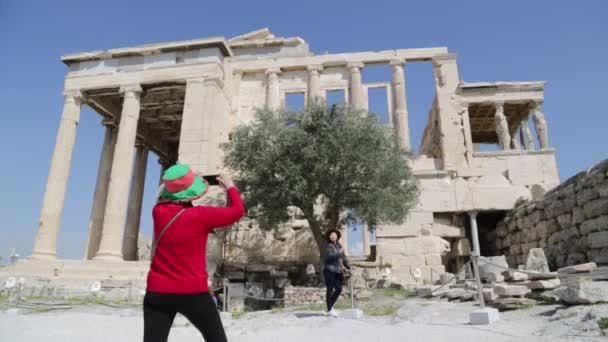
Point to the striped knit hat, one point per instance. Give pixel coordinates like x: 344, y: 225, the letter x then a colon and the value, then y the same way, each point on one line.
x: 181, y: 184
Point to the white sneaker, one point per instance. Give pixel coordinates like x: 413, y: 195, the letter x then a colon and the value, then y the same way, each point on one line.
x: 332, y: 313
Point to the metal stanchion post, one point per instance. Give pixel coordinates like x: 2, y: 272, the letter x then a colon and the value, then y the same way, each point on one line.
x: 225, y: 297
x: 352, y: 293
x: 478, y: 282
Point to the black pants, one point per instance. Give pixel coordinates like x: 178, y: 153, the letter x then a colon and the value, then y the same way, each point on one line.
x: 333, y: 281
x: 199, y: 309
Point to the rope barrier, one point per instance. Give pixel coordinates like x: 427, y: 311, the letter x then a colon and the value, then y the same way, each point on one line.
x: 550, y: 275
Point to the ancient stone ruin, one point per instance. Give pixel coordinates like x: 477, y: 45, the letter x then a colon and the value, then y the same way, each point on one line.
x: 180, y: 100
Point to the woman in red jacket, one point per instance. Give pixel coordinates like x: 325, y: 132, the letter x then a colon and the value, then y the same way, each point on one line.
x: 177, y: 281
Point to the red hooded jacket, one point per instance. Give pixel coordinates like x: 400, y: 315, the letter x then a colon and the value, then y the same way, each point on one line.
x: 179, y: 264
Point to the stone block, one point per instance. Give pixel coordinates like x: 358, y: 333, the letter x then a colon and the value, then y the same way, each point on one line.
x: 552, y: 226
x: 444, y: 230
x: 410, y: 260
x: 513, y: 303
x: 541, y: 230
x: 603, y: 191
x: 494, y: 277
x: 515, y: 276
x: 596, y: 207
x: 575, y: 259
x: 594, y: 225
x: 578, y: 215
x: 434, y: 259
x: 598, y: 239
x: 586, y: 195
x: 504, y: 290
x: 548, y: 284
x: 489, y: 295
x: 411, y: 227
x: 554, y: 239
x: 489, y: 265
x: 352, y: 314
x: 564, y: 221
x: 484, y: 316
x: 569, y: 234
x: 461, y: 247
x: 502, y: 230
x: 587, y: 292
x: 515, y: 249
x: 582, y: 268
x: 537, y: 261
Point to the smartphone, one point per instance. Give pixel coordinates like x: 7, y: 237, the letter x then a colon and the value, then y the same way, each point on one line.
x: 211, y: 179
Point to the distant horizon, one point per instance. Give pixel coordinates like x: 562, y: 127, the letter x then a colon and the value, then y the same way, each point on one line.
x: 559, y: 43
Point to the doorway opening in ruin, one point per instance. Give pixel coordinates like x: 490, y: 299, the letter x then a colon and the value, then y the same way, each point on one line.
x: 486, y: 228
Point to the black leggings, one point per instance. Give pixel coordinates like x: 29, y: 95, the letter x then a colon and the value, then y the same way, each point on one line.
x: 333, y: 281
x: 199, y: 309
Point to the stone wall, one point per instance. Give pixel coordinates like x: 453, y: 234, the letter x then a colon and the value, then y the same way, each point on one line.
x: 302, y: 296
x: 569, y: 222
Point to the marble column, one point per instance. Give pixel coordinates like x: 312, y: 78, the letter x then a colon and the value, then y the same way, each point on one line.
x: 314, y: 83
x: 45, y: 245
x: 110, y: 247
x: 101, y: 192
x: 400, y: 114
x: 273, y: 90
x: 365, y: 239
x: 526, y: 135
x: 357, y: 98
x: 515, y: 145
x: 502, y: 127
x: 129, y: 247
x: 344, y: 239
x: 540, y: 124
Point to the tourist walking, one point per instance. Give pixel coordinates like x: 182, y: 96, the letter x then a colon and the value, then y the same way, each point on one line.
x: 336, y: 270
x: 177, y: 281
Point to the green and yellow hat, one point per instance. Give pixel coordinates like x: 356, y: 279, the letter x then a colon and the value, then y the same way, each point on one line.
x: 181, y: 184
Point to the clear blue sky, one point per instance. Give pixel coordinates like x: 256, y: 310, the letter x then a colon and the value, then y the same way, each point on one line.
x: 562, y: 42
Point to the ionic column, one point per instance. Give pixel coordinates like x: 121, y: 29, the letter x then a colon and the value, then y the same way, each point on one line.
x: 502, y: 127
x: 540, y: 125
x: 400, y: 114
x: 129, y: 247
x: 101, y: 192
x: 314, y: 82
x: 110, y: 247
x: 525, y: 135
x: 515, y: 142
x: 344, y: 239
x: 365, y: 239
x: 273, y: 90
x: 356, y: 86
x: 45, y: 245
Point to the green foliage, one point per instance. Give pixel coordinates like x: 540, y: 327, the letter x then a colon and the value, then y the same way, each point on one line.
x: 385, y: 310
x: 393, y: 292
x: 339, y: 157
x: 603, y: 323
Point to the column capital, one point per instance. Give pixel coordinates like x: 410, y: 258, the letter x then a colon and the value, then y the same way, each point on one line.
x: 355, y: 66
x: 273, y: 71
x: 314, y: 67
x: 130, y: 89
x: 499, y: 105
x: 397, y: 62
x: 472, y: 214
x: 74, y: 95
x: 196, y: 81
x: 537, y: 104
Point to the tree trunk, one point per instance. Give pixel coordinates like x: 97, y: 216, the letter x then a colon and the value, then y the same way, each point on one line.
x: 317, y: 231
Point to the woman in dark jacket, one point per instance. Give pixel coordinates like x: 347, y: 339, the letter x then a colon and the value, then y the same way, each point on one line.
x: 177, y: 281
x: 332, y: 269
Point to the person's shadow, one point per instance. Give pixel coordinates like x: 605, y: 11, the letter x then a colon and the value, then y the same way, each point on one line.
x: 308, y: 314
